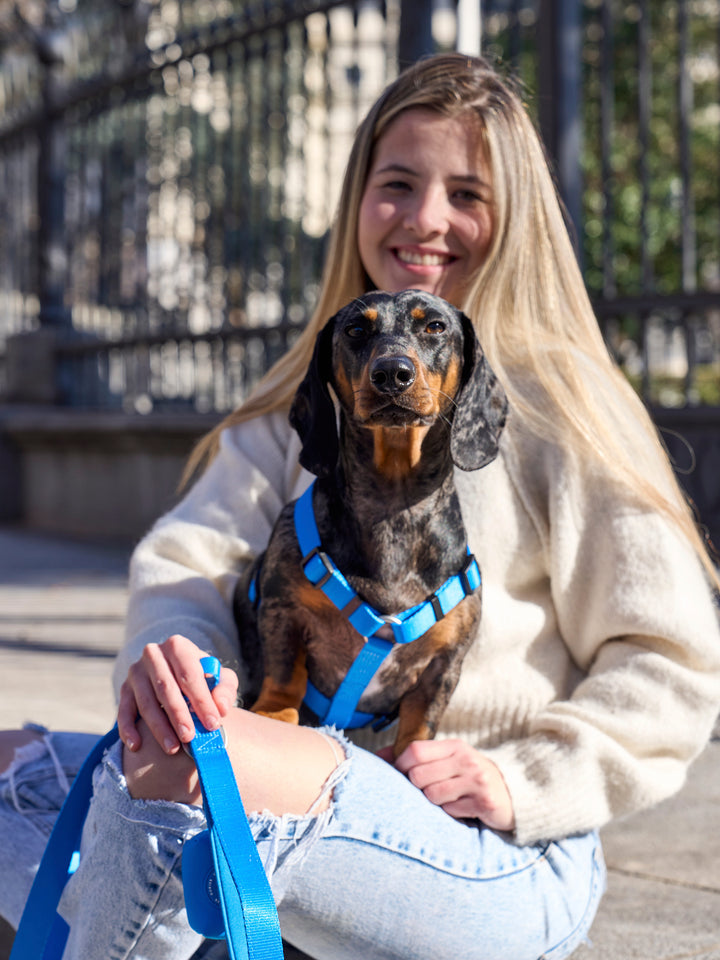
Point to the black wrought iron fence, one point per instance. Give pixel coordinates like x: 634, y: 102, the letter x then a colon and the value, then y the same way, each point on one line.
x: 193, y: 184
x: 168, y: 174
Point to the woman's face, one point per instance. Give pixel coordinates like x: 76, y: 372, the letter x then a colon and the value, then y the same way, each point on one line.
x: 426, y: 216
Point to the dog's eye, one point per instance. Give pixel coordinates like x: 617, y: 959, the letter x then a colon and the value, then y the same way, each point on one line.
x: 355, y: 330
x: 435, y: 326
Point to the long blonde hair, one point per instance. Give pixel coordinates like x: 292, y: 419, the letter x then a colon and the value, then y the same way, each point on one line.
x: 528, y: 300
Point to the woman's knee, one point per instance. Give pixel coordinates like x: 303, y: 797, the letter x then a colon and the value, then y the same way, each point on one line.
x: 151, y: 774
x: 278, y: 766
x: 12, y: 740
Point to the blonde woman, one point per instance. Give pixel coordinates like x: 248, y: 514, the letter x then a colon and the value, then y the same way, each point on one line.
x: 594, y: 680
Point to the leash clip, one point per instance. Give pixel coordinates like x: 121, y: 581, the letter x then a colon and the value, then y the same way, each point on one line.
x: 389, y: 618
x: 386, y: 632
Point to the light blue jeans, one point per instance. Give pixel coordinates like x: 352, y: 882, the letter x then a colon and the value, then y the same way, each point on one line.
x: 382, y: 874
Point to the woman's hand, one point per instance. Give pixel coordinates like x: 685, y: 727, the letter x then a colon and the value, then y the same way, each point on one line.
x: 458, y: 778
x: 155, y: 689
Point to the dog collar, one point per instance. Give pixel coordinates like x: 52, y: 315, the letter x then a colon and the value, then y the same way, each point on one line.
x: 406, y: 626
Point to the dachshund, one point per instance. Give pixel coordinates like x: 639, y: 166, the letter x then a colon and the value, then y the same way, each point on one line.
x: 414, y: 398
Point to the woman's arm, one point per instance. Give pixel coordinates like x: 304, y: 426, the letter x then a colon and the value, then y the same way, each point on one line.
x: 183, y: 575
x: 638, y: 618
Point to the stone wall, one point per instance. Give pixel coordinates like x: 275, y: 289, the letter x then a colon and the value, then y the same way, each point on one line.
x: 111, y: 475
x: 91, y: 474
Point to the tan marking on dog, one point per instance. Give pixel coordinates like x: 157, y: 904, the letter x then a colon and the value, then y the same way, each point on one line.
x: 453, y: 379
x: 364, y: 396
x: 371, y: 313
x: 397, y: 450
x: 282, y: 700
x: 417, y: 313
x: 311, y: 598
x: 411, y: 725
x: 344, y: 388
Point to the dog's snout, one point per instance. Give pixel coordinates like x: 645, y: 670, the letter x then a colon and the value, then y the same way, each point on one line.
x: 392, y: 374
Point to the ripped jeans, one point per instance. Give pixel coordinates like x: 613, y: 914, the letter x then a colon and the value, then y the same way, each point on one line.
x: 381, y: 874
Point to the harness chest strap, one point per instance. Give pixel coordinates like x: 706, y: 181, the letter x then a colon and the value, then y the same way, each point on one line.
x: 406, y: 626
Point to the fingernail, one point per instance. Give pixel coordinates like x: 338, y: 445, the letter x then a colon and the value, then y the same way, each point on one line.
x: 130, y: 743
x: 212, y: 722
x: 185, y: 732
x: 170, y: 745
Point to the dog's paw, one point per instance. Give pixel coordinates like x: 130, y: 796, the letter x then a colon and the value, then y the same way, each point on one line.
x: 287, y: 715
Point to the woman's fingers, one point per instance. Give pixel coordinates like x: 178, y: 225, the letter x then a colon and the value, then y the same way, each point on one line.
x: 225, y: 693
x: 461, y: 780
x: 164, y: 686
x: 159, y: 699
x: 185, y: 679
x: 127, y: 718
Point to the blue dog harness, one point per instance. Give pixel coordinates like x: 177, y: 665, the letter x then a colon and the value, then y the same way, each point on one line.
x: 406, y: 626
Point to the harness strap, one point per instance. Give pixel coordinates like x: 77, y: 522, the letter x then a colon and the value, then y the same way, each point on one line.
x: 320, y: 706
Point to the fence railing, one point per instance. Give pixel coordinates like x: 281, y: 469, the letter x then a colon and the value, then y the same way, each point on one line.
x: 168, y: 175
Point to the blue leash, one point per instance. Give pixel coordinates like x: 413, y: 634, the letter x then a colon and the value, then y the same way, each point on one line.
x: 247, y: 917
x: 226, y: 891
x: 42, y: 933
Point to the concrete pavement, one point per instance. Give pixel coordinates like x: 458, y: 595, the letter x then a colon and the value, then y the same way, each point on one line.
x: 61, y: 612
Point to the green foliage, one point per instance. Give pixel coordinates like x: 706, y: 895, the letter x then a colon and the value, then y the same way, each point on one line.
x: 660, y: 206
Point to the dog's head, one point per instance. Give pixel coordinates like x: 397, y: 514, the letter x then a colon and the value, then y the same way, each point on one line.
x: 399, y: 360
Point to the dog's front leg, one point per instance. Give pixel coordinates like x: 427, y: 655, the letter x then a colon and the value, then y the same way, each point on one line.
x: 422, y: 707
x: 282, y: 630
x: 281, y: 699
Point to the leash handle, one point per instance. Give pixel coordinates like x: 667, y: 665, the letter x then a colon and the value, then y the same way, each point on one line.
x: 42, y: 933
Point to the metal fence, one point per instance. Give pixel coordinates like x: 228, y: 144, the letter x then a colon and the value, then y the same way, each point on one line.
x: 168, y: 174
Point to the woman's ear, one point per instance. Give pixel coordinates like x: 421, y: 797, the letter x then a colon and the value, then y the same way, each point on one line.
x: 481, y: 408
x: 312, y: 413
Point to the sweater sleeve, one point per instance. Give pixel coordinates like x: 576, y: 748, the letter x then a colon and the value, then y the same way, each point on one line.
x: 640, y: 622
x: 183, y: 572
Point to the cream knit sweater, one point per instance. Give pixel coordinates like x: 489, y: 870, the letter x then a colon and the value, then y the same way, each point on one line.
x: 595, y: 677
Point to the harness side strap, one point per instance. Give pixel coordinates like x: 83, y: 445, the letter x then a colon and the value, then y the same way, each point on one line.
x: 42, y: 933
x: 352, y: 687
x: 322, y: 572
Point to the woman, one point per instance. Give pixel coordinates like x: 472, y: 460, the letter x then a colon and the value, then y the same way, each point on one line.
x: 595, y: 678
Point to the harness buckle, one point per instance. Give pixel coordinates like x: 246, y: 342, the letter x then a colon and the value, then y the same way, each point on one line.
x: 326, y: 562
x: 437, y: 606
x: 463, y: 574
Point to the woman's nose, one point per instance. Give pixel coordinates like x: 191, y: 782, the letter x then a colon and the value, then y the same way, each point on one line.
x: 426, y: 214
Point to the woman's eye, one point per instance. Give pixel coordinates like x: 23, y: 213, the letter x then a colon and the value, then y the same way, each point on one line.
x: 435, y: 326
x: 355, y: 330
x: 468, y: 196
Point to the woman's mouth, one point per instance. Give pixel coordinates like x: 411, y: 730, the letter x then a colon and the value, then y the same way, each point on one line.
x: 416, y: 258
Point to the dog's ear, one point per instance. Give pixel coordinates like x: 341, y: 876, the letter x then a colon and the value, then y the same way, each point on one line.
x: 481, y: 408
x: 312, y: 412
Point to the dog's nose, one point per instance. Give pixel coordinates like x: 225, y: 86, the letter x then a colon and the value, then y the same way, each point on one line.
x: 392, y: 374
